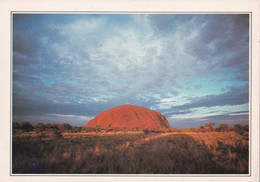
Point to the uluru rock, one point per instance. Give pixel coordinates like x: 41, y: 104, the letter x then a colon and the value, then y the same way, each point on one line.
x: 129, y: 116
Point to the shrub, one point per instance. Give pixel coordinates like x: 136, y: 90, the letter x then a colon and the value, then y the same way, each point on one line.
x: 223, y: 128
x: 146, y: 131
x: 209, y: 126
x: 246, y: 127
x: 26, y: 126
x: 76, y: 129
x: 240, y: 129
x: 64, y: 127
x: 56, y: 134
x: 51, y: 126
x: 98, y: 128
x: 16, y: 126
x: 40, y: 127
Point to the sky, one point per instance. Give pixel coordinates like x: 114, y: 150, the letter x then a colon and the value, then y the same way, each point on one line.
x: 192, y: 68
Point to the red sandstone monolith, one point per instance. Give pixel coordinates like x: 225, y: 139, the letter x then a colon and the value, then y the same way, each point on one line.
x: 129, y: 116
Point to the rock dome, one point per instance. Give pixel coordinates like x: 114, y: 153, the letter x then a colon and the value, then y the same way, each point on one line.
x: 129, y: 116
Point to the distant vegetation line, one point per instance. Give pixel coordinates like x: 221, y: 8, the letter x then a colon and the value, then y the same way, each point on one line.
x: 57, y: 129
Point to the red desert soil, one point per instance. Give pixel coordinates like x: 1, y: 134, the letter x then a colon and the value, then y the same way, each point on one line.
x: 129, y: 116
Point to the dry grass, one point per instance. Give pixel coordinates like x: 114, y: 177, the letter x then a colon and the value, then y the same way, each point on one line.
x: 131, y: 153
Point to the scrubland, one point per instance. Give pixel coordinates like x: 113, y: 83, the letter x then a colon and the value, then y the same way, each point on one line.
x: 97, y: 151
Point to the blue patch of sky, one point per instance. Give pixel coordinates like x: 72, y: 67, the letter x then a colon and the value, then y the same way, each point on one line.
x: 48, y: 81
x: 209, y: 85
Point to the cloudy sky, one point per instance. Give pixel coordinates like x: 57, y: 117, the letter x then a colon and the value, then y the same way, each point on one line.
x: 192, y: 68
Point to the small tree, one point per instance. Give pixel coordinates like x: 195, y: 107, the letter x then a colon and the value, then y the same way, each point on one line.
x: 209, y: 126
x: 64, y: 127
x: 26, y: 127
x: 240, y: 129
x: 40, y: 127
x: 246, y: 127
x: 76, y: 129
x: 223, y: 128
x: 16, y: 127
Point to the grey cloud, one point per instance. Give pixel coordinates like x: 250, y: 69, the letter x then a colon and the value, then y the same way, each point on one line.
x: 231, y: 120
x: 227, y: 28
x: 176, y: 113
x: 168, y: 23
x: 226, y: 33
x: 236, y: 95
x: 23, y: 43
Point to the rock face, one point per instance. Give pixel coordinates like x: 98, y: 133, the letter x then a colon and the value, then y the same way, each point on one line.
x: 129, y: 116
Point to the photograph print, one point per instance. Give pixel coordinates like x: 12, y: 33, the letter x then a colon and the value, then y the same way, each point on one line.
x: 127, y: 93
